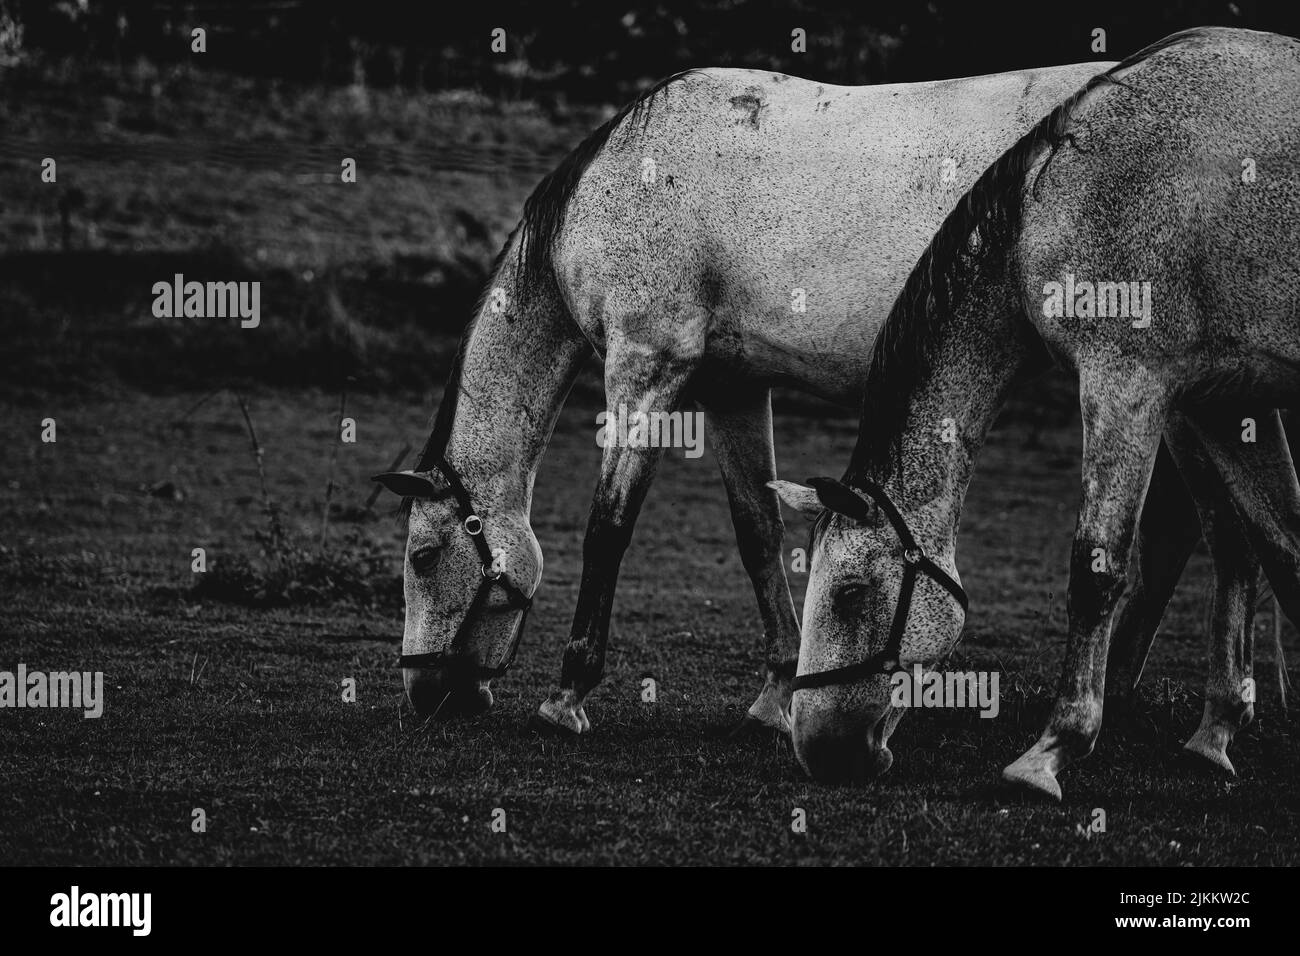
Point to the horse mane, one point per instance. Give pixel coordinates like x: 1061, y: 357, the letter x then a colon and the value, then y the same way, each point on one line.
x: 440, y: 431
x: 542, y: 221
x: 904, y: 352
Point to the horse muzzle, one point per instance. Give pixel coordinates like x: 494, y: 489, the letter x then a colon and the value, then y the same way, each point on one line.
x: 832, y: 750
x: 449, y: 690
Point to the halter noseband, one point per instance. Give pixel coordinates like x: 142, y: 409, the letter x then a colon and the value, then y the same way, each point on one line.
x: 516, y: 600
x: 915, y: 562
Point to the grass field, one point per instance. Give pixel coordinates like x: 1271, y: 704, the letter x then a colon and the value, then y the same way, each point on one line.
x: 236, y: 708
x: 239, y: 711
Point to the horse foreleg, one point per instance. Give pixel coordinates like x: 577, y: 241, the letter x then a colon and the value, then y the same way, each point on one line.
x: 740, y: 434
x: 639, y: 379
x: 1228, y: 704
x: 1124, y: 413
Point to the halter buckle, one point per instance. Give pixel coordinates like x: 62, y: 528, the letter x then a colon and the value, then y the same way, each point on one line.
x: 473, y: 524
x: 490, y: 573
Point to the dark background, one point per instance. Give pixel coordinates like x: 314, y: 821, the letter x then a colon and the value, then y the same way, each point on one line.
x: 594, y: 49
x: 204, y: 159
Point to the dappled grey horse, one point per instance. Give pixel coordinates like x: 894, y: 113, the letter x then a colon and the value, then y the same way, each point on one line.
x: 1177, y: 176
x: 729, y: 231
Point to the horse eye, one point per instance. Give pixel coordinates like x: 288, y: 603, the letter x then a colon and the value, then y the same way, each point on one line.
x: 424, y: 559
x: 849, y: 597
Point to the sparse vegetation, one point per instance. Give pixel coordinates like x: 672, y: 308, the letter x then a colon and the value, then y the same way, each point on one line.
x: 358, y: 572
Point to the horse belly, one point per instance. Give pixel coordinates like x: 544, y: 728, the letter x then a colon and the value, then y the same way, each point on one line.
x: 773, y: 338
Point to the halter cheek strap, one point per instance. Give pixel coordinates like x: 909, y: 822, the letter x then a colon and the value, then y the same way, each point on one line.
x: 843, y: 500
x: 516, y: 599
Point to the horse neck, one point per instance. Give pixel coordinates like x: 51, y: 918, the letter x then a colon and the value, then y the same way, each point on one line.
x: 519, y: 362
x: 984, y: 352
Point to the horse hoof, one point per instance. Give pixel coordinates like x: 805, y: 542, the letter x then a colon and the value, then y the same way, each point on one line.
x: 768, y: 711
x: 543, y: 727
x: 1208, y: 756
x: 559, y: 713
x: 1030, y: 779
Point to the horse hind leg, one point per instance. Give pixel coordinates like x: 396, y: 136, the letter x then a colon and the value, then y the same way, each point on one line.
x: 1261, y: 479
x: 740, y: 434
x: 1168, y: 532
x: 1228, y: 699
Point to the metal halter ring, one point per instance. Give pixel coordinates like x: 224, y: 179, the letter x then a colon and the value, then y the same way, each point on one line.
x: 516, y: 600
x: 912, y: 555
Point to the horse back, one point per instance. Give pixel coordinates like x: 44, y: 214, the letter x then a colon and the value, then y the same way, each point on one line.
x: 781, y: 215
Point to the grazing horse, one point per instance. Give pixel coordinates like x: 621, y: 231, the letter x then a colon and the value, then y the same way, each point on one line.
x: 1142, y: 234
x: 729, y: 231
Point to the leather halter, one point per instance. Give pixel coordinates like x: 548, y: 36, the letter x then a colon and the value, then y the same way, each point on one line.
x: 915, y: 562
x: 516, y: 600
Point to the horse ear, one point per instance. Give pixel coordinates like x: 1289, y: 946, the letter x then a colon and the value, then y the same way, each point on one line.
x: 842, y: 499
x: 799, y: 497
x: 408, y: 484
